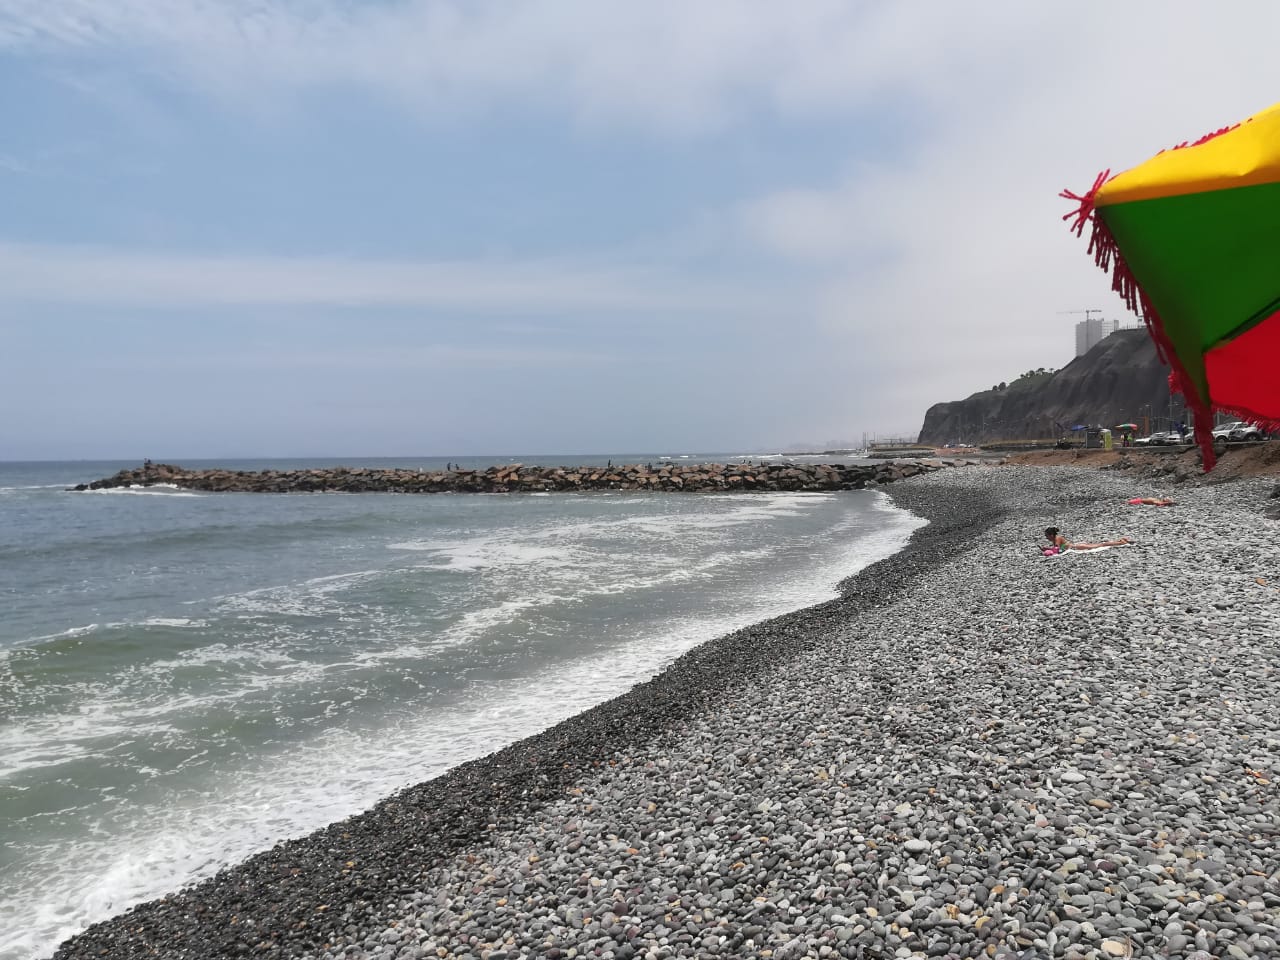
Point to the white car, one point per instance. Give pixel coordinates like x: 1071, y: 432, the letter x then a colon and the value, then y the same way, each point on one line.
x: 1237, y: 432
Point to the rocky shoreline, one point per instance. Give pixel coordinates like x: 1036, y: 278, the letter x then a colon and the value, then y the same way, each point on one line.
x: 521, y: 478
x: 974, y: 752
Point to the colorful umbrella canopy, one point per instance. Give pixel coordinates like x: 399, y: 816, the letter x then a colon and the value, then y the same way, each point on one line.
x: 1126, y: 426
x: 1192, y: 240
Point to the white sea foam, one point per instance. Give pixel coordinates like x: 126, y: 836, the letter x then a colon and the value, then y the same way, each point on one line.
x: 219, y: 654
x: 155, y: 489
x: 141, y: 702
x: 34, y: 486
x: 488, y: 552
x: 309, y: 598
x: 476, y: 622
x: 71, y: 632
x: 111, y: 714
x: 745, y: 509
x: 89, y: 628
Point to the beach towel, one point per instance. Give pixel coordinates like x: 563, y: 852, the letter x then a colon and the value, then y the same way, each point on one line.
x: 1050, y: 552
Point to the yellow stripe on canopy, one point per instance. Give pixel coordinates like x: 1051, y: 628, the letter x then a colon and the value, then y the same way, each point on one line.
x: 1245, y: 155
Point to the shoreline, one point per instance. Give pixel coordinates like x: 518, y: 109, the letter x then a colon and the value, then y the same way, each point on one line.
x: 507, y: 785
x: 973, y: 752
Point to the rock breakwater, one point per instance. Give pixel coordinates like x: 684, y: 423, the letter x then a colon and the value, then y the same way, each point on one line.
x: 521, y: 478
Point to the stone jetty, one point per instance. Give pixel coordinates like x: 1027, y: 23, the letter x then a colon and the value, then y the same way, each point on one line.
x: 522, y: 478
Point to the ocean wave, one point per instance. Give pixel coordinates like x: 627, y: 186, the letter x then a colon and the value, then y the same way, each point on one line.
x: 488, y: 552
x: 89, y: 628
x: 155, y: 490
x: 475, y: 623
x: 743, y: 509
x: 65, y: 634
x: 313, y: 597
x: 118, y: 713
x: 34, y: 486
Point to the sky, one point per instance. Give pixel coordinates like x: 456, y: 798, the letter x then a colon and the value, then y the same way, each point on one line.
x: 236, y: 228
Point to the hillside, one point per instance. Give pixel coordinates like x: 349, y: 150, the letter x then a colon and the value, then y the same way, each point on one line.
x: 1119, y: 380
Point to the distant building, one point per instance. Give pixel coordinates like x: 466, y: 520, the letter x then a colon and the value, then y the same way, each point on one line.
x: 1090, y: 333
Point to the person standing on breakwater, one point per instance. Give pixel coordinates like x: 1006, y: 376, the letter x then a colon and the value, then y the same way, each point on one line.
x: 1062, y: 543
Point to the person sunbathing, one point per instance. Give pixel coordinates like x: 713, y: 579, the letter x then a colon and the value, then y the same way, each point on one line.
x: 1061, y: 543
x: 1151, y: 501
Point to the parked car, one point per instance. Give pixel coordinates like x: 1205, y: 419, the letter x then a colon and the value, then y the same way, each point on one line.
x: 1238, y: 432
x: 1162, y: 438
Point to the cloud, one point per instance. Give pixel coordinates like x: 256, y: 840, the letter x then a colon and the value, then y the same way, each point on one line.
x: 11, y: 164
x: 358, y: 359
x: 66, y: 274
x: 812, y: 225
x: 664, y: 64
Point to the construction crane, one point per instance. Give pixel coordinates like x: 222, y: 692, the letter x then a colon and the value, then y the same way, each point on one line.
x: 1087, y: 313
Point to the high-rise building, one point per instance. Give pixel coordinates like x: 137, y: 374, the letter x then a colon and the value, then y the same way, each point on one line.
x: 1090, y: 333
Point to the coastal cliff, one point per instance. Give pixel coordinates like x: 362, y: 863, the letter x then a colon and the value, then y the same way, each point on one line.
x: 1120, y: 380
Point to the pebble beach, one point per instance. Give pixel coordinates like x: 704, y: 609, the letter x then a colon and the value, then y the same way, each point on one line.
x: 976, y: 751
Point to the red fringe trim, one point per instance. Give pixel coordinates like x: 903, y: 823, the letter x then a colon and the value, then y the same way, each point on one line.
x: 1205, y: 139
x: 1267, y: 424
x: 1084, y: 212
x: 1106, y: 254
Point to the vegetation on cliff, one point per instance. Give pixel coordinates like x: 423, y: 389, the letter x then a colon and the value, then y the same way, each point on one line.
x: 1121, y: 380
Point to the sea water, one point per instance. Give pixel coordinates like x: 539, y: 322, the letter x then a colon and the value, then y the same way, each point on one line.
x: 188, y: 678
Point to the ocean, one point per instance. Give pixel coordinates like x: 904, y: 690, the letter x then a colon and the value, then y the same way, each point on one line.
x: 187, y: 678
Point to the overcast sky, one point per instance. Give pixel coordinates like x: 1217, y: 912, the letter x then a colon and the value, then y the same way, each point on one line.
x: 417, y: 227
